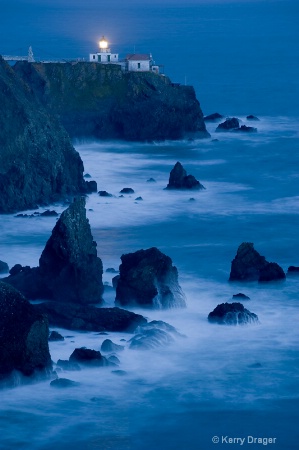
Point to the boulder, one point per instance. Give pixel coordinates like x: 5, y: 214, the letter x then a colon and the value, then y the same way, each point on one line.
x: 3, y: 267
x: 23, y: 336
x: 55, y: 336
x: 213, y: 117
x: 109, y: 346
x: 178, y: 179
x: 232, y: 314
x: 148, y: 279
x: 127, y: 191
x: 69, y: 268
x: 228, y: 125
x: 249, y: 265
x: 104, y: 194
x: 89, y: 318
x: 251, y: 117
x: 87, y: 357
x: 293, y: 270
x: 91, y: 186
x: 245, y: 129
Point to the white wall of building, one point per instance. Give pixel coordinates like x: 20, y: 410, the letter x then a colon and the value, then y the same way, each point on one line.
x: 104, y: 57
x: 139, y: 66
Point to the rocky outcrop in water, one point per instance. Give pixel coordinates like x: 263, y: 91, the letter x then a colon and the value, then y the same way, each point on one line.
x: 229, y: 124
x: 23, y: 338
x: 249, y: 265
x: 88, y: 357
x: 69, y: 268
x: 89, y: 318
x: 3, y: 267
x: 178, y: 179
x: 147, y: 278
x: 253, y: 118
x: 213, y: 117
x: 232, y: 314
x: 102, y: 101
x: 38, y: 163
x: 293, y: 270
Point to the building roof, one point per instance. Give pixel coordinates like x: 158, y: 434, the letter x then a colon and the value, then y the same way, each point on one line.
x: 138, y: 57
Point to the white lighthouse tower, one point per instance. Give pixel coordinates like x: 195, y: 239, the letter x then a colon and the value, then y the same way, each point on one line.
x: 104, y: 54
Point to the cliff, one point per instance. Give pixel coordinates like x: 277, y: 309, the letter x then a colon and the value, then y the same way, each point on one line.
x: 102, y: 101
x: 38, y: 163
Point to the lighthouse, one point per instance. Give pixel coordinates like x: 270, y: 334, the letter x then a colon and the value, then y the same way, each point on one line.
x: 104, y: 54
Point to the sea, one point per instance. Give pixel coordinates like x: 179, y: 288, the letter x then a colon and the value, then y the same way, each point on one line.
x: 214, y: 386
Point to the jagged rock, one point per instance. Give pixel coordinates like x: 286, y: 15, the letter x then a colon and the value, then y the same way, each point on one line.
x: 87, y: 357
x: 101, y: 101
x: 23, y: 336
x: 127, y: 191
x: 3, y: 267
x: 104, y: 194
x: 241, y: 296
x: 249, y: 265
x: 16, y: 269
x: 179, y: 179
x: 61, y: 383
x: 232, y: 314
x: 293, y: 270
x: 109, y: 346
x: 245, y: 129
x: 69, y: 269
x: 213, y: 117
x: 251, y: 117
x: 38, y: 163
x: 55, y: 336
x: 148, y: 278
x: 89, y: 318
x: 229, y: 124
x: 65, y: 364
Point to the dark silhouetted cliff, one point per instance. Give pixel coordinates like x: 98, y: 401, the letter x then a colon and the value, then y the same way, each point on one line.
x: 102, y: 101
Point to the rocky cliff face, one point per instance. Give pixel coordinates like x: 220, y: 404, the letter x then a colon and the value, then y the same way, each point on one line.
x: 96, y: 100
x: 38, y: 163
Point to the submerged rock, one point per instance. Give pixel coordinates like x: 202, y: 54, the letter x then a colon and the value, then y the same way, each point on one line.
x: 241, y: 296
x: 251, y: 117
x: 150, y: 339
x: 232, y: 314
x: 178, y: 179
x: 3, y: 267
x: 23, y: 336
x: 249, y: 265
x: 127, y: 191
x: 293, y: 270
x: 213, y: 117
x: 104, y: 194
x: 89, y: 318
x: 62, y: 383
x: 228, y: 125
x: 246, y: 129
x: 67, y: 365
x: 69, y: 268
x: 147, y: 278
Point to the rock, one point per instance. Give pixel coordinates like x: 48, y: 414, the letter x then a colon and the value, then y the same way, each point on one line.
x: 241, y: 296
x: 246, y: 129
x: 120, y: 373
x: 127, y: 191
x: 213, y: 117
x: 139, y: 198
x: 69, y: 268
x: 23, y: 336
x: 293, y: 270
x: 87, y: 175
x: 147, y: 278
x: 64, y: 364
x: 271, y: 272
x: 150, y: 339
x: 249, y: 265
x: 228, y: 125
x: 49, y: 213
x: 89, y: 318
x: 38, y: 163
x: 3, y: 267
x: 232, y: 314
x: 115, y: 281
x: 103, y: 102
x: 151, y: 180
x: 104, y: 194
x: 61, y: 383
x: 109, y: 346
x: 251, y: 117
x: 91, y: 186
x: 179, y: 179
x: 111, y: 270
x: 114, y: 359
x: 87, y: 357
x: 55, y: 336
x: 191, y: 199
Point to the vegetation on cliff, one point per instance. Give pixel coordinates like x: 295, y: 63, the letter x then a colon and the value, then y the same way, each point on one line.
x: 102, y: 101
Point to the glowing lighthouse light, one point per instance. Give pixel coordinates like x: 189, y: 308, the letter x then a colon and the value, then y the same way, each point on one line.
x: 103, y: 44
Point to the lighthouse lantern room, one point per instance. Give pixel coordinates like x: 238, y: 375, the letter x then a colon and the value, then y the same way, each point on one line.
x: 104, y: 54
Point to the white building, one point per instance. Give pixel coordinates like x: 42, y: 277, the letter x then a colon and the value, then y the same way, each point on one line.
x: 104, y: 56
